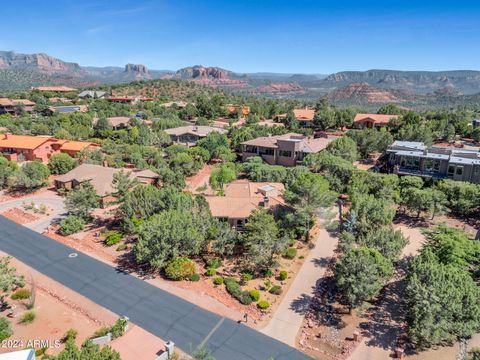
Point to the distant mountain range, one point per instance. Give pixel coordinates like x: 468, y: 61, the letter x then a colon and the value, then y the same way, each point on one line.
x: 21, y: 71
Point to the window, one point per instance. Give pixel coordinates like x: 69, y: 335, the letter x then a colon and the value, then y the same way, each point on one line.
x: 432, y: 165
x: 266, y: 151
x: 459, y: 170
x: 285, y: 153
x: 251, y: 149
x: 410, y: 162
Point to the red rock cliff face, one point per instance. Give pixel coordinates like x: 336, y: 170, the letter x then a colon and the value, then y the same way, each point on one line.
x: 40, y: 62
x: 362, y: 92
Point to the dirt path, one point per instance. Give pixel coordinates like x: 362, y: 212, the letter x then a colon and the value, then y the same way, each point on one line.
x: 287, y: 320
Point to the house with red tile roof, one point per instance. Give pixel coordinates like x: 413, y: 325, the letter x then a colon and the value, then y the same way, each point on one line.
x: 30, y: 148
x: 304, y: 117
x: 372, y: 120
x: 286, y: 150
x: 243, y: 197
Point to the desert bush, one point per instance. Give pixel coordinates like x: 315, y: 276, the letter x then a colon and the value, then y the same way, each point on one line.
x: 255, y: 295
x: 283, y: 275
x: 122, y: 247
x: 234, y: 289
x: 275, y: 290
x: 21, y: 294
x: 104, y: 330
x: 71, y: 225
x: 5, y: 329
x: 28, y: 317
x: 70, y: 334
x: 179, y: 268
x: 118, y: 329
x: 290, y: 253
x: 113, y: 237
x: 218, y: 280
x: 194, y: 277
x: 263, y: 304
x: 214, y: 263
x: 246, y: 277
x: 210, y: 272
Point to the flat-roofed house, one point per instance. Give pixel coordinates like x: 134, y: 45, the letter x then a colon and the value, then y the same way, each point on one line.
x: 414, y: 158
x: 189, y: 135
x: 242, y: 197
x: 372, y: 120
x: 92, y: 94
x: 287, y: 150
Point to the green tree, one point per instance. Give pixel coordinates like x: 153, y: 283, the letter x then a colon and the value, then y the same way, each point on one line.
x: 5, y: 329
x: 82, y: 200
x: 387, y: 241
x: 343, y: 147
x: 367, y: 213
x: 360, y: 275
x: 442, y: 302
x: 123, y: 182
x: 30, y: 176
x: 60, y: 164
x: 170, y: 234
x: 308, y: 193
x: 9, y: 279
x: 88, y: 350
x: 222, y: 175
x: 262, y: 239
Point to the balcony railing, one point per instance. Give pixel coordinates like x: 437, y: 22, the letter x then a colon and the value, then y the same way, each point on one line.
x: 419, y: 172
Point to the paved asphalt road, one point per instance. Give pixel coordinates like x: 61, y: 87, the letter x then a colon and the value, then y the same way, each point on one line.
x: 163, y: 314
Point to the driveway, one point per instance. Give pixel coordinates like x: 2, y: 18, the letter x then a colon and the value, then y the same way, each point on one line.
x: 161, y: 313
x: 49, y: 198
x: 288, y: 318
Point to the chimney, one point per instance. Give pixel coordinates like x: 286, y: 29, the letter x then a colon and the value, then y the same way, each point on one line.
x: 105, y: 163
x: 7, y: 136
x: 266, y: 201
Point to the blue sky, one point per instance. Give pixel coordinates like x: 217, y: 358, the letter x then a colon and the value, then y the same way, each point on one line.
x: 251, y: 35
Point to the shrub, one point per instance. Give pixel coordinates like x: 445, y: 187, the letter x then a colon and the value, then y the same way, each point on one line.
x: 28, y: 317
x: 255, y: 295
x: 40, y: 352
x: 275, y: 290
x: 179, y: 268
x: 122, y: 247
x: 71, y: 225
x: 21, y: 294
x: 246, y: 277
x: 290, y: 253
x: 263, y: 304
x: 5, y: 329
x: 214, y: 263
x: 218, y: 280
x: 210, y: 272
x: 283, y: 275
x: 118, y: 329
x: 233, y: 288
x: 101, y: 332
x: 113, y: 237
x: 194, y: 277
x: 71, y: 334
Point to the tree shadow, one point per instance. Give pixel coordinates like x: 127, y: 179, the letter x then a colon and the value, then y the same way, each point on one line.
x: 385, y: 320
x: 127, y: 264
x: 322, y: 262
x: 301, y: 304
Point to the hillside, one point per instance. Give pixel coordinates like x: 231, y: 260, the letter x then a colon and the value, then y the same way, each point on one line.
x: 369, y: 88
